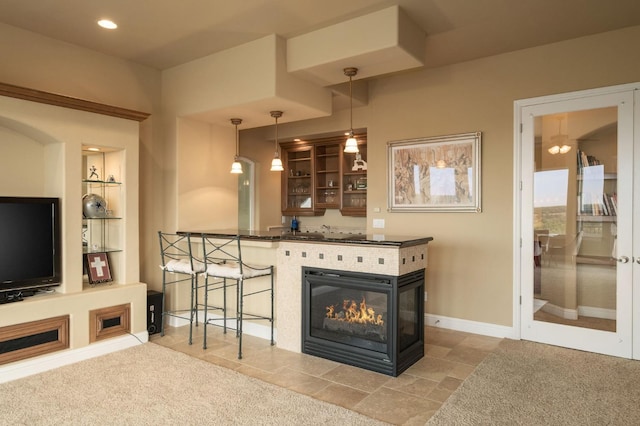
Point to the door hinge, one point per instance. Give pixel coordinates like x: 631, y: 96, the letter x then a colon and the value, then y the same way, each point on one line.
x: 521, y: 300
x: 521, y: 127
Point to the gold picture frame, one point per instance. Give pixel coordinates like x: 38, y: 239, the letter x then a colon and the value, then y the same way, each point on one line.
x: 435, y: 174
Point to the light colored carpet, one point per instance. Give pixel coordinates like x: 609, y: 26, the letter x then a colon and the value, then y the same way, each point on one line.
x: 526, y: 383
x: 153, y: 385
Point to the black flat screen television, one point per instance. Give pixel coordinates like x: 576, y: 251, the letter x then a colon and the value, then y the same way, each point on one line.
x: 30, y: 248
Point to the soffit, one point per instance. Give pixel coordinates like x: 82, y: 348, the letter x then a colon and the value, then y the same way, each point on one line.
x: 164, y: 33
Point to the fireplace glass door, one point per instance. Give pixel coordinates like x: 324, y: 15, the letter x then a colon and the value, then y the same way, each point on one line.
x: 409, y: 325
x: 350, y: 314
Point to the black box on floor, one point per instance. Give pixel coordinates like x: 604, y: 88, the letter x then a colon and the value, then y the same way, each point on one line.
x: 154, y: 311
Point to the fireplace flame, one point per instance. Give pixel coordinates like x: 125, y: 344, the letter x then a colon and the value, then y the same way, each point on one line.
x: 354, y: 313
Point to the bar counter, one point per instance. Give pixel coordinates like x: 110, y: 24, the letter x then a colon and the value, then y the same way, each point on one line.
x: 291, y: 251
x: 315, y: 237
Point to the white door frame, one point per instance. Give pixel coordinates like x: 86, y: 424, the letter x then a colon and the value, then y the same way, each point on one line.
x: 636, y: 229
x: 521, y: 244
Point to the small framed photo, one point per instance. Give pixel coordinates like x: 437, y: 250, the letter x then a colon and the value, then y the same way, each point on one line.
x: 97, y: 266
x: 435, y: 174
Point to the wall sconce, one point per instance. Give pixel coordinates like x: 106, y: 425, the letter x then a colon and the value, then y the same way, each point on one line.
x: 352, y: 144
x: 236, y: 167
x: 276, y: 163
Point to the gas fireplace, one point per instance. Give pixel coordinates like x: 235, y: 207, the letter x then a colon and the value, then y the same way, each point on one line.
x: 366, y: 320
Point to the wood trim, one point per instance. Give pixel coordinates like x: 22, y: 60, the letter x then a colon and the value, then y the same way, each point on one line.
x: 17, y: 331
x: 330, y: 140
x: 97, y: 318
x: 69, y: 102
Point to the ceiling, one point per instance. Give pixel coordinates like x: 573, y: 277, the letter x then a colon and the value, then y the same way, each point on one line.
x: 165, y: 33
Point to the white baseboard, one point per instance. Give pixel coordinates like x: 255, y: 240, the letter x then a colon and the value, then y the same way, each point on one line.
x: 590, y: 311
x: 538, y: 304
x: 28, y: 367
x: 559, y: 311
x: 262, y: 331
x: 482, y: 328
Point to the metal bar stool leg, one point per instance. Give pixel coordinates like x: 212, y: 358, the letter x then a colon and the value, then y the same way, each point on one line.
x: 162, y: 312
x: 239, y: 320
x: 272, y: 308
x: 191, y: 314
x: 224, y: 306
x: 206, y: 311
x: 195, y: 290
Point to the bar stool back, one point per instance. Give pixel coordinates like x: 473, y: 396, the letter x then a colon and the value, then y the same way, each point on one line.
x: 178, y: 266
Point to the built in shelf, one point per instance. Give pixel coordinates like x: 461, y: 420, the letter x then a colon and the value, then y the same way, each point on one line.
x: 596, y: 218
x: 86, y: 250
x: 101, y: 182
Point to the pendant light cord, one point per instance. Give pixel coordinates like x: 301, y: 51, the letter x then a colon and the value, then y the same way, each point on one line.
x: 350, y: 72
x: 236, y: 121
x: 276, y: 115
x: 351, y: 103
x: 276, y: 141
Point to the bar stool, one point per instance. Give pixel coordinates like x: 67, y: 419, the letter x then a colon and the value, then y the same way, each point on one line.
x: 179, y: 266
x: 222, y: 257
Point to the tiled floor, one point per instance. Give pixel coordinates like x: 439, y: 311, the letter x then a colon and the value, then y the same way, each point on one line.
x: 410, y: 399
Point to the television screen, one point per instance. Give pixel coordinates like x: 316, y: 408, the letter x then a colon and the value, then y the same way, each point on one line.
x: 30, y: 249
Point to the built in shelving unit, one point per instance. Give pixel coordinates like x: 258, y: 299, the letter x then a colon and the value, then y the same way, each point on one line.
x: 318, y: 175
x: 54, y: 132
x: 597, y: 208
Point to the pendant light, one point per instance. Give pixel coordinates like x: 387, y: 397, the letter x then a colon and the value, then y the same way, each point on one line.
x: 236, y: 167
x: 276, y: 163
x: 560, y: 141
x: 352, y: 143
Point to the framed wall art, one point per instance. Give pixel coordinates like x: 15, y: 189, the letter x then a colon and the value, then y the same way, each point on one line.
x: 435, y: 174
x: 97, y: 267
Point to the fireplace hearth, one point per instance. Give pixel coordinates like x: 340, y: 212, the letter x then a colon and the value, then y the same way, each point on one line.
x: 370, y: 321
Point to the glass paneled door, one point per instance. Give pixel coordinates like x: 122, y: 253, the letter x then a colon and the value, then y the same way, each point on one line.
x: 246, y: 195
x: 576, y: 215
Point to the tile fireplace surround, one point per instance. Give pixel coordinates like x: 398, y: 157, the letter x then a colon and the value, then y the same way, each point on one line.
x: 292, y: 256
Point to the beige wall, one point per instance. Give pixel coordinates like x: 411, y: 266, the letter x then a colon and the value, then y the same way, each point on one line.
x: 38, y: 62
x: 470, y: 260
x: 470, y: 274
x: 207, y: 193
x: 470, y: 266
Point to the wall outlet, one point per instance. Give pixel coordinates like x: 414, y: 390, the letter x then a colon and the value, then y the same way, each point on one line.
x: 425, y: 296
x: 378, y: 223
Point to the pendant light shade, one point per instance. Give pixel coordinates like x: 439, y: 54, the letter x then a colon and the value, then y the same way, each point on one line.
x: 352, y: 144
x: 276, y: 163
x: 236, y: 167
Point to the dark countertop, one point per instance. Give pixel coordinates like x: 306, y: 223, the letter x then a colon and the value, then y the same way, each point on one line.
x: 299, y: 236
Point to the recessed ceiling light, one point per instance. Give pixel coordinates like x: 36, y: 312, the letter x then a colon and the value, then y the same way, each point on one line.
x: 108, y: 24
x: 93, y: 149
